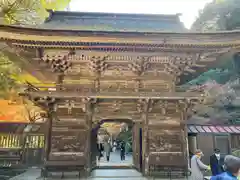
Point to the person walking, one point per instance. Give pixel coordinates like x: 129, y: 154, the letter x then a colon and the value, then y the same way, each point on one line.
x: 114, y: 146
x: 122, y: 151
x: 107, y: 149
x: 232, y: 168
x: 215, y: 163
x: 100, y: 150
x: 197, y: 166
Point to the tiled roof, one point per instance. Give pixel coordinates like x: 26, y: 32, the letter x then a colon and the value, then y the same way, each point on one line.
x: 213, y: 129
x: 10, y: 127
x: 87, y: 21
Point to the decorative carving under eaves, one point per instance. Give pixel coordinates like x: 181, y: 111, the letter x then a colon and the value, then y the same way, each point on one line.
x: 163, y: 106
x: 140, y: 66
x: 152, y: 103
x: 189, y: 105
x: 211, y: 56
x: 142, y: 105
x: 88, y: 104
x: 58, y: 63
x: 46, y: 102
x: 117, y: 105
x: 138, y: 85
x: 70, y: 105
x: 180, y: 105
x: 118, y: 71
x: 183, y: 65
x: 97, y: 65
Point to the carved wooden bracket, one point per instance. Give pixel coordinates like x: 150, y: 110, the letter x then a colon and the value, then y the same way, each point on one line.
x: 143, y: 105
x: 58, y: 63
x: 70, y: 105
x: 180, y: 105
x: 45, y: 101
x: 117, y: 105
x: 183, y: 65
x: 190, y: 103
x: 98, y: 65
x: 152, y: 103
x: 164, y: 106
x: 88, y: 104
x: 140, y: 66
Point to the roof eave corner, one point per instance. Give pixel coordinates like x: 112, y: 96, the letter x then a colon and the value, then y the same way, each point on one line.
x: 49, y: 18
x: 179, y: 14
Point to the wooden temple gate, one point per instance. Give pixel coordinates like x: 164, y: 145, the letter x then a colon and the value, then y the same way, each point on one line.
x: 110, y: 90
x: 116, y: 75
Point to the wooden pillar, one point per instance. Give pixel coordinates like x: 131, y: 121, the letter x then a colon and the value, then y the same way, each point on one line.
x: 137, y: 145
x: 88, y: 119
x: 48, y: 132
x: 183, y: 108
x: 192, y: 143
x: 59, y: 81
x: 145, y: 137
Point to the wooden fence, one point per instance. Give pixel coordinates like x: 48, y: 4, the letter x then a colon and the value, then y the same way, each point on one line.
x: 11, y: 146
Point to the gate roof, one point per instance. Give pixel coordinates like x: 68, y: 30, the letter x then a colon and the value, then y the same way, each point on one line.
x: 214, y: 129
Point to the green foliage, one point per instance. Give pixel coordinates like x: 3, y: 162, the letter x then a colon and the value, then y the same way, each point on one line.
x: 236, y: 153
x: 55, y: 4
x: 218, y: 15
x: 8, y: 72
x: 22, y: 12
x: 126, y: 136
x: 221, y: 76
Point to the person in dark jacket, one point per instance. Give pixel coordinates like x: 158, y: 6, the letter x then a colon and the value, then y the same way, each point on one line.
x: 100, y: 150
x: 215, y: 163
x: 232, y: 168
x: 122, y: 151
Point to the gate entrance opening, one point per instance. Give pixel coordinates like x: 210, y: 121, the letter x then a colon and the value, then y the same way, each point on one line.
x: 116, y: 143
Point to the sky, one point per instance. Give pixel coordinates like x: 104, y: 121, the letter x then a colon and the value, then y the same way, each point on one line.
x: 188, y: 8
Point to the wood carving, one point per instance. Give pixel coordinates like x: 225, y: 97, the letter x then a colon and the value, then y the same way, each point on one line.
x: 45, y: 101
x: 162, y: 105
x: 70, y: 106
x: 117, y: 105
x: 140, y: 66
x: 167, y: 142
x: 71, y: 141
x: 142, y: 105
x: 58, y: 63
x: 152, y: 103
x: 179, y: 65
x: 138, y: 85
x: 118, y: 71
x: 97, y: 65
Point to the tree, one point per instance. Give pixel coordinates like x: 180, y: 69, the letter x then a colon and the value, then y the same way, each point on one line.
x: 221, y: 104
x: 22, y: 12
x: 8, y: 73
x: 218, y: 15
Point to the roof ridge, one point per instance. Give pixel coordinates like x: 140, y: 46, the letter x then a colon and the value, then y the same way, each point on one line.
x: 82, y: 13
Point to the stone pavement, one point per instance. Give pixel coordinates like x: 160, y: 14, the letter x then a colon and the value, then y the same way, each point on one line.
x: 116, y: 161
x: 100, y: 174
x: 30, y: 174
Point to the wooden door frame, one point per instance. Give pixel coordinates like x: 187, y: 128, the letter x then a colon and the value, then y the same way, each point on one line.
x: 128, y: 121
x: 139, y: 149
